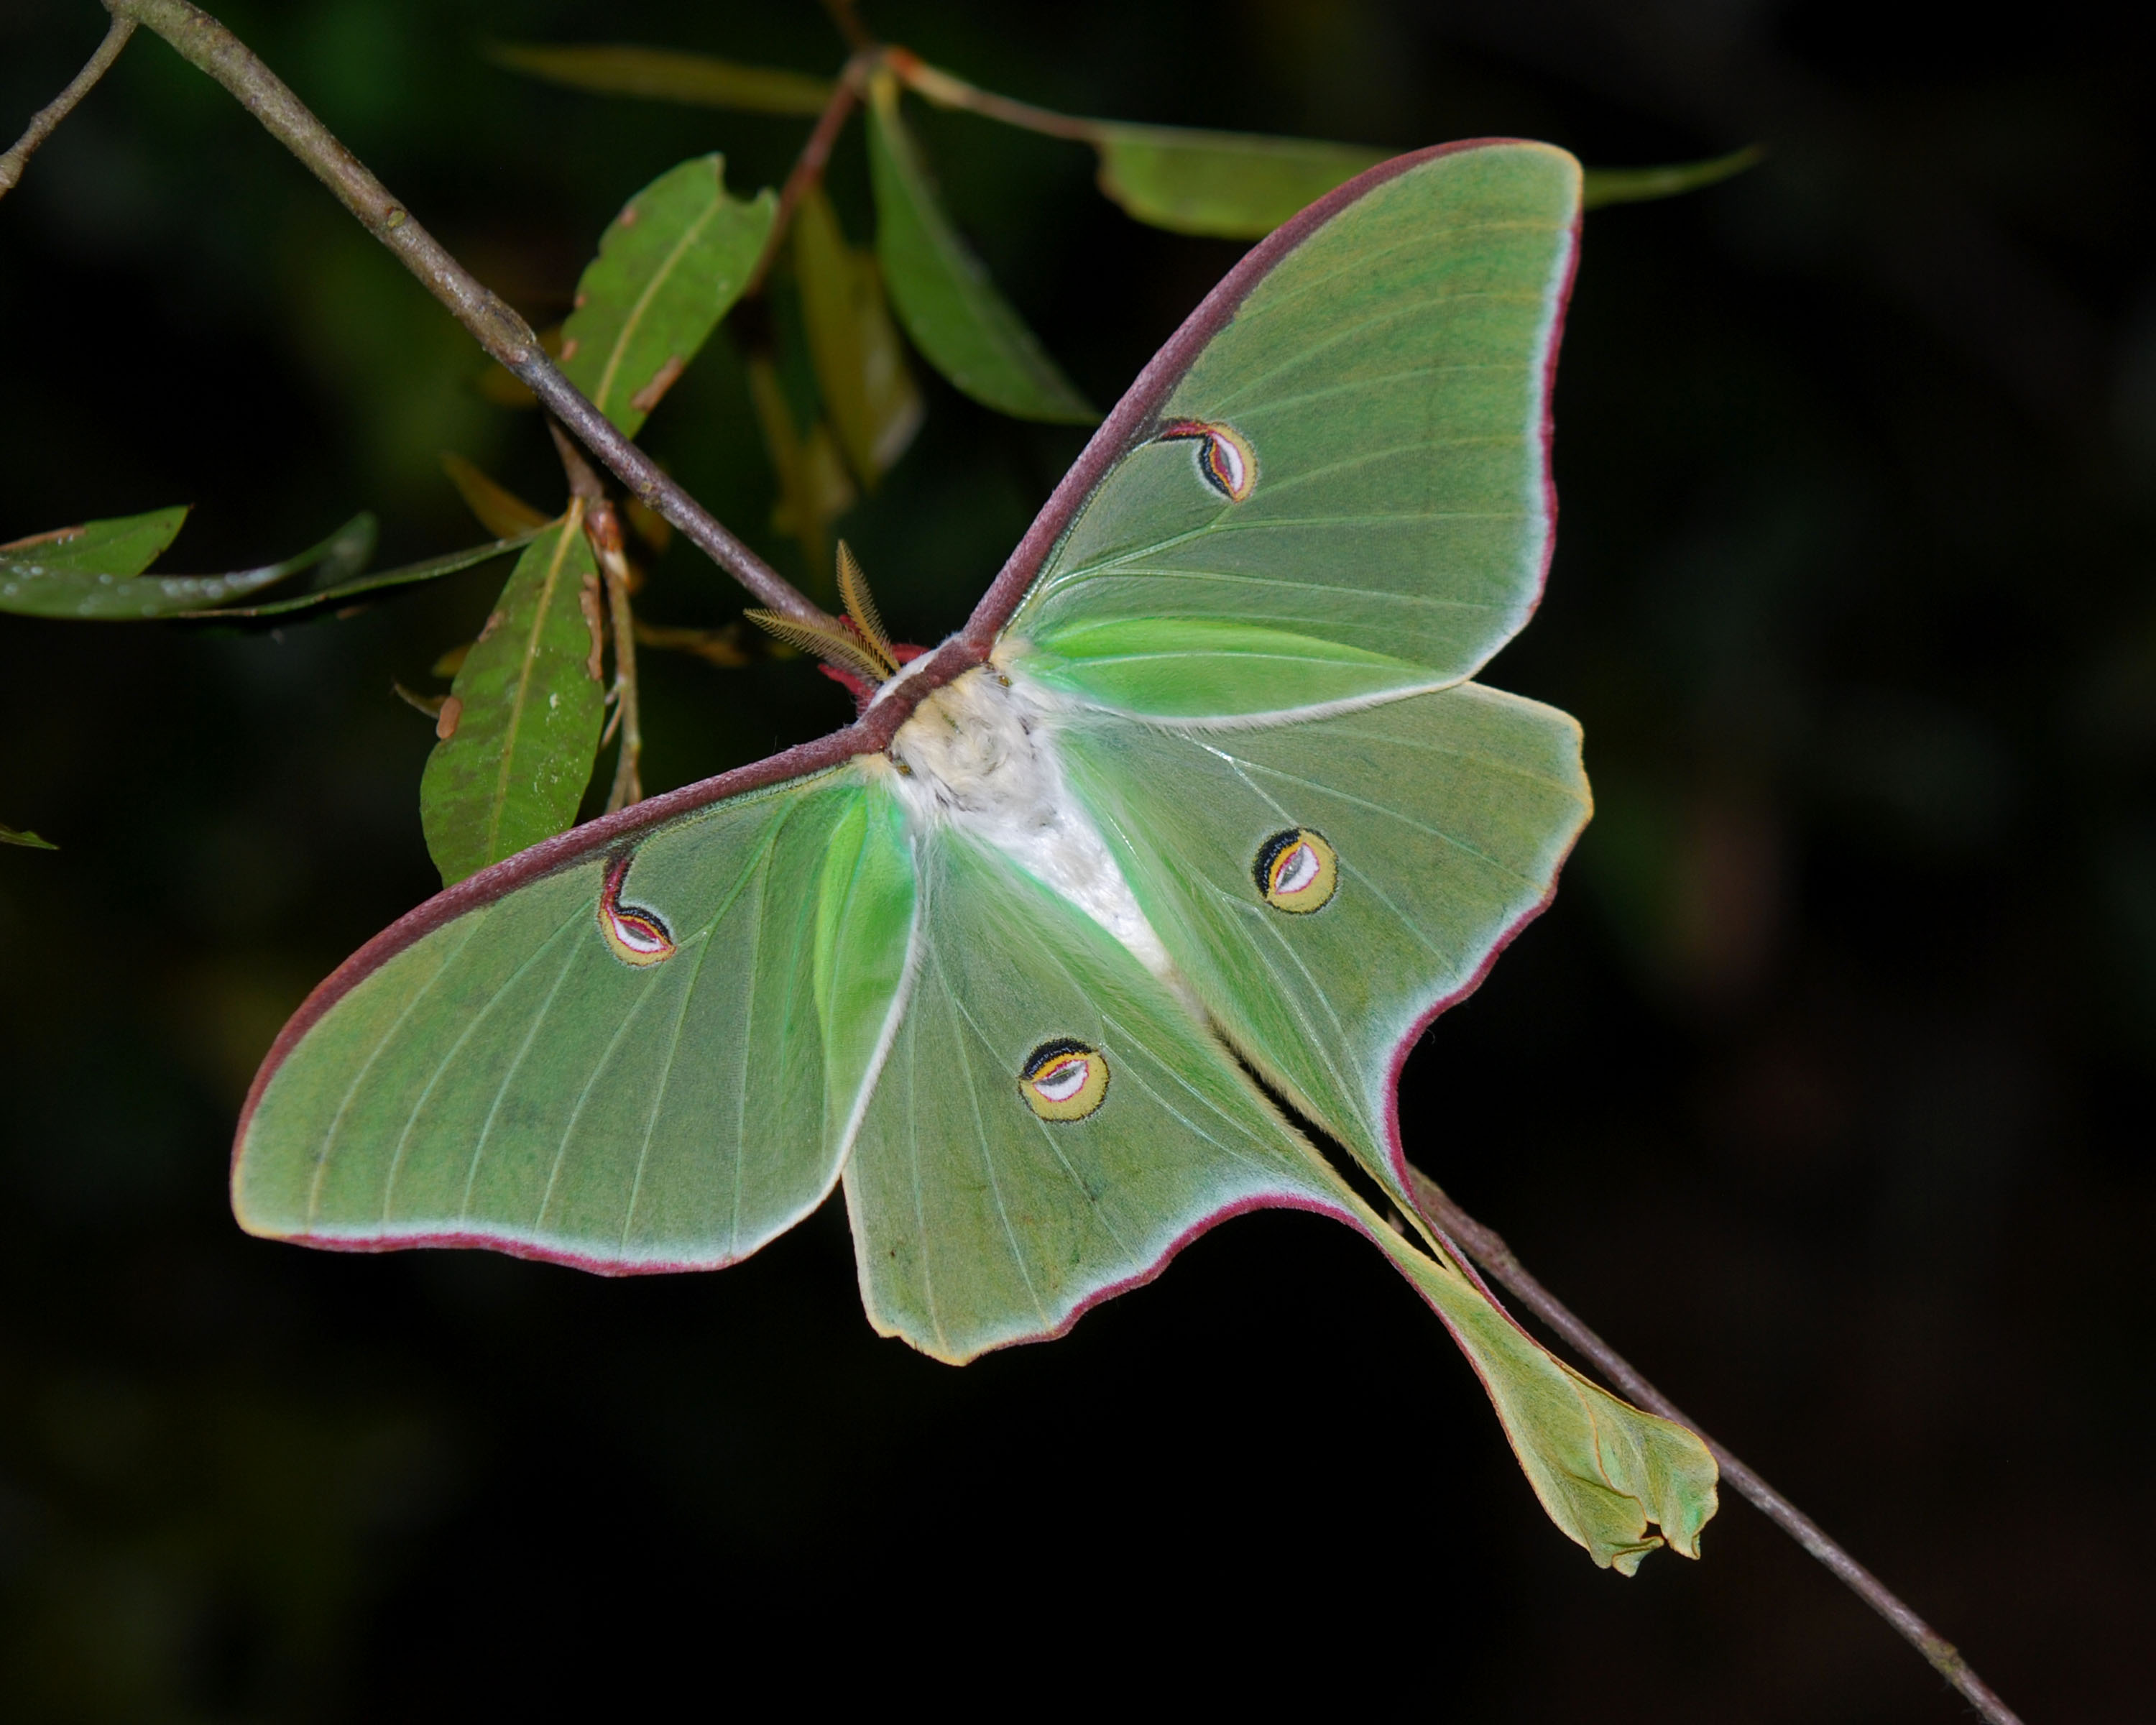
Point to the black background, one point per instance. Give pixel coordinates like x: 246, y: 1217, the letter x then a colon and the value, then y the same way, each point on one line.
x: 1821, y: 1091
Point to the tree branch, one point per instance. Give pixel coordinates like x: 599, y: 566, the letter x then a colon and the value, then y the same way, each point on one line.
x: 808, y: 165
x: 603, y: 527
x: 933, y: 84
x: 1487, y: 1248
x: 46, y: 121
x: 843, y: 14
x: 207, y: 45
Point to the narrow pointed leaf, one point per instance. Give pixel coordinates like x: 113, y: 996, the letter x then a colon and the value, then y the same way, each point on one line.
x: 405, y: 575
x: 516, y: 753
x: 666, y: 75
x: 498, y: 509
x: 671, y: 266
x: 124, y: 545
x: 1639, y: 185
x: 28, y: 841
x: 1229, y: 185
x: 92, y: 573
x: 961, y: 325
x: 860, y: 366
x: 1243, y: 185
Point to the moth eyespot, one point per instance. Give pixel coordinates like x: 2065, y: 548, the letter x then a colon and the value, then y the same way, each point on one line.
x: 634, y: 935
x: 1064, y: 1080
x: 1297, y: 871
x: 1226, y: 459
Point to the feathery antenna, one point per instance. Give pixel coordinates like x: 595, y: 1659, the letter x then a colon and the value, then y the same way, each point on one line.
x: 831, y: 645
x: 861, y: 608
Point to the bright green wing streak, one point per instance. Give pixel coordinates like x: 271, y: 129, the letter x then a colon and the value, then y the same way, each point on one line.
x: 507, y: 1080
x: 1388, y: 377
x: 977, y: 1224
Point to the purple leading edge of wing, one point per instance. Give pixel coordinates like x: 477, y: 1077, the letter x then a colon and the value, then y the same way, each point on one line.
x: 1129, y: 424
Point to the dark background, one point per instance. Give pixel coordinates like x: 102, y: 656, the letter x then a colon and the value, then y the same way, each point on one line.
x: 1821, y: 1091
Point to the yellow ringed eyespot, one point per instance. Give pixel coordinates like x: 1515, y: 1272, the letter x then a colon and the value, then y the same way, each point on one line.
x: 634, y: 935
x: 1224, y: 457
x: 1064, y: 1080
x: 1297, y: 871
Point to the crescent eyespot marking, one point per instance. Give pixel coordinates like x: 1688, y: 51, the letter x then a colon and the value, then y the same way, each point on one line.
x: 1064, y: 1080
x: 1297, y: 871
x: 634, y: 935
x: 1224, y: 456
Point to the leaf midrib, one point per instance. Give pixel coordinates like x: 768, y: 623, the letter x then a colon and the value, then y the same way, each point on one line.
x: 634, y: 320
x: 572, y: 524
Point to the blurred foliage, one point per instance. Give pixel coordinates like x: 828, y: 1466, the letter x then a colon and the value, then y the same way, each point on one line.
x: 1821, y: 1092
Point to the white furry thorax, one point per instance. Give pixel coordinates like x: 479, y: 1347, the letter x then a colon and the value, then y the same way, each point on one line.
x: 979, y: 755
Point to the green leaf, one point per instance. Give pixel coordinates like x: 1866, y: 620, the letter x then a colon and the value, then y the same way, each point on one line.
x: 28, y: 841
x: 126, y: 545
x: 1639, y: 185
x: 961, y: 324
x: 860, y: 366
x: 663, y: 75
x: 403, y: 576
x: 670, y: 267
x: 520, y: 726
x: 1243, y: 185
x: 93, y: 572
x: 1230, y: 185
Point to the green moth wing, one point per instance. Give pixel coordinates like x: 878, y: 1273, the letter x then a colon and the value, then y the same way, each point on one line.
x: 1426, y: 831
x: 1054, y: 1124
x: 1234, y: 650
x: 651, y: 1054
x: 981, y: 1218
x: 1336, y: 485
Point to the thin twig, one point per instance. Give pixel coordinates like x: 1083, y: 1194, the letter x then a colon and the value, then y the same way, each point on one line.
x: 940, y: 87
x: 603, y: 528
x: 844, y: 15
x: 207, y: 43
x: 46, y: 121
x: 602, y: 532
x: 808, y: 165
x: 1487, y: 1248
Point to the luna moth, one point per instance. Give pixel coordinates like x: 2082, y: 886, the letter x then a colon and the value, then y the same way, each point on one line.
x: 1179, y: 845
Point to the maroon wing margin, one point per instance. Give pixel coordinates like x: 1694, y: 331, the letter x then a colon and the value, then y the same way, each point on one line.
x: 1130, y: 424
x: 1135, y: 416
